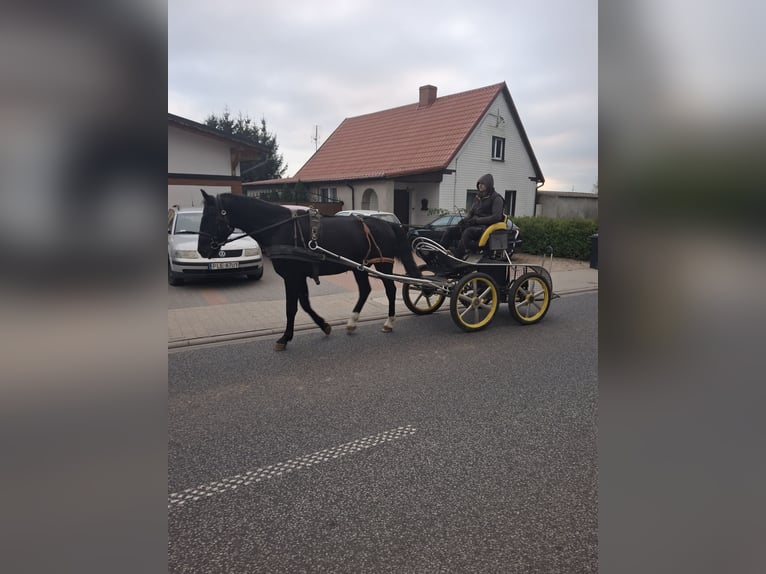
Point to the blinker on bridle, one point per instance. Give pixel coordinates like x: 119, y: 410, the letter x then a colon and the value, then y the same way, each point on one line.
x: 222, y: 222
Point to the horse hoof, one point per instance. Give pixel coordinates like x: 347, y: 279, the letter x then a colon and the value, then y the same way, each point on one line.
x: 327, y: 328
x: 350, y: 328
x: 280, y: 346
x: 387, y: 329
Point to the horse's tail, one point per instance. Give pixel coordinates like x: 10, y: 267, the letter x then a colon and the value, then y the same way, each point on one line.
x: 404, y: 251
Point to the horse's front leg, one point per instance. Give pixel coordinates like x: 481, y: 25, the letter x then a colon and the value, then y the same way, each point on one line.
x: 363, y: 283
x: 291, y: 308
x: 303, y: 298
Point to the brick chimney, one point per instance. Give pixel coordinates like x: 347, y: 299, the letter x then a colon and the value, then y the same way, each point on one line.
x: 427, y: 96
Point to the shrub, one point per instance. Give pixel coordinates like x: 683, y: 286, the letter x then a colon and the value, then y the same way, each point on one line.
x: 569, y: 238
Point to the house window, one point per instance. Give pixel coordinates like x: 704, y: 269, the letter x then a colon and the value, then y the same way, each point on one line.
x: 498, y: 148
x: 329, y: 194
x: 469, y: 197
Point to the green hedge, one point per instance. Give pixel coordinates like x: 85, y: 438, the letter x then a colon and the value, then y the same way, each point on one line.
x: 570, y: 238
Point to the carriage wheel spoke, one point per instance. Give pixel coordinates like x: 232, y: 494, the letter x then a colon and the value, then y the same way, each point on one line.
x: 465, y: 314
x: 528, y: 308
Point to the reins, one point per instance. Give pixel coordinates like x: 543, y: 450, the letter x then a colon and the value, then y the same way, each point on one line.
x: 222, y: 217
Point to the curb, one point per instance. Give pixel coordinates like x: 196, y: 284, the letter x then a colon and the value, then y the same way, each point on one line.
x: 258, y: 333
x: 184, y: 344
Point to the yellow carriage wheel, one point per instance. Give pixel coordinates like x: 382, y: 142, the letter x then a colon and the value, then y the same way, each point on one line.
x: 474, y: 301
x: 420, y: 299
x: 529, y: 298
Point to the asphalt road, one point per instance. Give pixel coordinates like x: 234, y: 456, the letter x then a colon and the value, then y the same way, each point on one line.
x: 424, y: 450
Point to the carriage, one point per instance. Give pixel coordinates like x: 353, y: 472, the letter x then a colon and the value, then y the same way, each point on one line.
x: 303, y: 245
x: 476, y: 287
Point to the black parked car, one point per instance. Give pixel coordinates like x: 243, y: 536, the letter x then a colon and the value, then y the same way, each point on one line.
x: 438, y: 228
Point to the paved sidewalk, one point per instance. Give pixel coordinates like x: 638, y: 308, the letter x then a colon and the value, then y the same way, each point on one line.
x: 215, y: 323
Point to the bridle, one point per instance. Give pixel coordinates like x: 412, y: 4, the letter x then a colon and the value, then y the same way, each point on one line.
x: 224, y: 227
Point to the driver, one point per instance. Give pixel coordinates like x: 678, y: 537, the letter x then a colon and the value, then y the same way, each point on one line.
x: 486, y: 209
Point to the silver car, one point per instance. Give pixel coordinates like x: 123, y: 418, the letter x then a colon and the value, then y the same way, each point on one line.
x: 384, y: 215
x: 240, y: 257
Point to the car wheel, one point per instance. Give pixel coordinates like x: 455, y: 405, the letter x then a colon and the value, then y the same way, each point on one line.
x: 255, y: 276
x: 173, y: 279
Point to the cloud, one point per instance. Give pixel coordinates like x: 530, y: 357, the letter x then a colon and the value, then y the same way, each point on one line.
x: 305, y: 64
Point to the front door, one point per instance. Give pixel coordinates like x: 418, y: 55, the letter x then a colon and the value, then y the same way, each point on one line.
x: 402, y: 205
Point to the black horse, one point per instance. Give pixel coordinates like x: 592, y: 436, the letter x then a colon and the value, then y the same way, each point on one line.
x: 287, y: 235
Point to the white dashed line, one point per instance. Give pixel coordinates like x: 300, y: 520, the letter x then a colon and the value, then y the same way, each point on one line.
x: 280, y: 469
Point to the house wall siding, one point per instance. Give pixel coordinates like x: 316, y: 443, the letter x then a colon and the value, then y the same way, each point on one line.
x: 190, y: 153
x: 475, y: 159
x: 189, y: 195
x: 198, y: 156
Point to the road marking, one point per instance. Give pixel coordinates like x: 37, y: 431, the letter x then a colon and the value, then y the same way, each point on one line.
x: 282, y: 468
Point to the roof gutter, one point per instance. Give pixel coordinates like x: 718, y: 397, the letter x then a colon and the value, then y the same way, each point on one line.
x: 353, y: 198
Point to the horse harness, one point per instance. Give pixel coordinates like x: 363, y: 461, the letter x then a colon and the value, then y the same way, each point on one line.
x: 370, y: 242
x: 298, y: 250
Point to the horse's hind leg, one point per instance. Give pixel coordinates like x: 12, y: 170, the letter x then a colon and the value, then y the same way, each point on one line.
x: 363, y: 282
x: 303, y: 298
x: 390, y: 287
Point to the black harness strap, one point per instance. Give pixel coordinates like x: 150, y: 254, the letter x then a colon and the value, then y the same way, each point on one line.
x: 300, y: 247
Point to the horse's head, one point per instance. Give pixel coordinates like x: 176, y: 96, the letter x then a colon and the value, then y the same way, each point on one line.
x: 214, y: 229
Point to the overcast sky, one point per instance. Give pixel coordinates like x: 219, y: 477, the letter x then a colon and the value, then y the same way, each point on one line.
x: 306, y: 63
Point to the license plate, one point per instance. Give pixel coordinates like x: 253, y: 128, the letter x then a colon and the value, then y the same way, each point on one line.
x: 225, y: 265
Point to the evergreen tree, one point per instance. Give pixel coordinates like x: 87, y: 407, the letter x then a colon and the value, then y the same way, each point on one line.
x: 273, y: 167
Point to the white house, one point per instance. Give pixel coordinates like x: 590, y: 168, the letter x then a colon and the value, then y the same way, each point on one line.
x: 200, y: 157
x: 417, y: 158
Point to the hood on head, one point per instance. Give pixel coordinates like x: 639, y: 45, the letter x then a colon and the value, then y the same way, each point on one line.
x: 487, y: 180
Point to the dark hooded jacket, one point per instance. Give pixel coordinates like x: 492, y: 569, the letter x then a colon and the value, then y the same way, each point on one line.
x: 488, y: 208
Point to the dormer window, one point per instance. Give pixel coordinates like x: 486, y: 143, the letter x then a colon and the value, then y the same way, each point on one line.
x: 498, y: 148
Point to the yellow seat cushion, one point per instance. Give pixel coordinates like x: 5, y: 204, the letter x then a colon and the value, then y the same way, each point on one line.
x: 499, y: 226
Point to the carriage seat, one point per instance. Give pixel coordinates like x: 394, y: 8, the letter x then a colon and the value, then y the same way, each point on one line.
x: 495, y: 235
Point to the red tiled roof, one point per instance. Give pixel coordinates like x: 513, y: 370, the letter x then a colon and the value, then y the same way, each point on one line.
x: 401, y: 141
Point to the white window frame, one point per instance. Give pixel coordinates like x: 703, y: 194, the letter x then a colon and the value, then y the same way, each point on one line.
x: 498, y: 148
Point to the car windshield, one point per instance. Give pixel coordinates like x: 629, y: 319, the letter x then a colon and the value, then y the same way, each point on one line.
x: 443, y: 220
x: 188, y: 222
